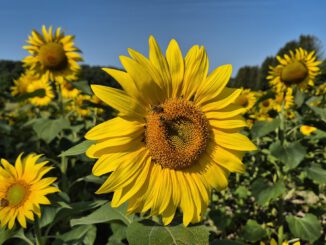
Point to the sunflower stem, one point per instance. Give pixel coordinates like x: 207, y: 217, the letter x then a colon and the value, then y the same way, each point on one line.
x: 38, y: 235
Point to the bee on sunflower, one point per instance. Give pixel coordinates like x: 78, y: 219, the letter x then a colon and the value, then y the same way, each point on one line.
x: 23, y: 189
x: 298, y: 68
x: 176, y: 136
x: 53, y: 55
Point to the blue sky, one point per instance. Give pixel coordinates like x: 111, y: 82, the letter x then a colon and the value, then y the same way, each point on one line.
x: 233, y: 31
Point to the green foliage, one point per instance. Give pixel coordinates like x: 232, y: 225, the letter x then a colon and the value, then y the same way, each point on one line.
x: 307, y: 228
x: 252, y: 231
x: 262, y: 128
x: 139, y: 233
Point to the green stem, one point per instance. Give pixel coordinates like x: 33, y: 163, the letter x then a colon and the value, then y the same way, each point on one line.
x: 38, y: 235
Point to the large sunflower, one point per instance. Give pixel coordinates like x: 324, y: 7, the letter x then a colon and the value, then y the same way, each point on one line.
x: 46, y: 96
x: 297, y: 68
x: 23, y: 189
x: 176, y: 136
x: 53, y: 55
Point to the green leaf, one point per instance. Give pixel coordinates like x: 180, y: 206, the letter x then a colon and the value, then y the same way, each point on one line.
x: 5, y: 234
x: 83, y: 86
x: 225, y: 242
x: 147, y: 232
x: 84, y: 234
x: 119, y: 233
x: 317, y: 173
x: 291, y: 154
x: 48, y: 215
x: 221, y: 219
x: 48, y: 129
x: 299, y: 98
x: 264, y: 192
x: 262, y: 128
x: 252, y: 231
x: 36, y: 93
x: 319, y: 111
x: 105, y: 214
x: 77, y: 149
x: 307, y: 228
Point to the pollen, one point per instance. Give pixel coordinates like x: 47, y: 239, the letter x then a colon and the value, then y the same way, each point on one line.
x: 176, y: 133
x: 52, y: 56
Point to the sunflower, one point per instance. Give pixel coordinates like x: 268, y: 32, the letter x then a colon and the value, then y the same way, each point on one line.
x: 68, y: 91
x: 79, y: 105
x: 23, y: 189
x: 247, y: 99
x: 53, y: 55
x: 297, y: 68
x: 307, y: 130
x: 21, y: 84
x: 47, y: 93
x: 285, y: 99
x: 176, y: 136
x: 273, y: 242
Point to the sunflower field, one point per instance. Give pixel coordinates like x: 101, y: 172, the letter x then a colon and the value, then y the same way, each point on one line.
x: 172, y: 151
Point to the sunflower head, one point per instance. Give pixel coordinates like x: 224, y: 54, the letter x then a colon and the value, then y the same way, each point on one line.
x: 46, y: 93
x: 52, y: 55
x: 298, y: 68
x: 247, y: 99
x: 21, y: 84
x: 176, y: 136
x: 23, y: 189
x: 307, y: 130
x: 68, y: 91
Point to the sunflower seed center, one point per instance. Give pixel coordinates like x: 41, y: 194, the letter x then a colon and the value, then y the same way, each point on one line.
x: 53, y: 56
x: 176, y: 133
x: 294, y: 73
x: 16, y: 194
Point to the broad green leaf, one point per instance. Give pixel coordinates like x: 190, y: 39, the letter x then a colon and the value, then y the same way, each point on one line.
x: 77, y: 149
x: 150, y: 233
x: 307, y: 228
x: 5, y: 234
x: 83, y: 86
x: 291, y: 154
x: 252, y: 231
x: 119, y: 233
x: 319, y: 111
x: 299, y: 98
x: 265, y: 192
x: 105, y: 214
x: 84, y: 234
x: 48, y: 215
x: 225, y: 242
x: 221, y: 219
x: 262, y: 128
x: 48, y: 129
x: 317, y: 173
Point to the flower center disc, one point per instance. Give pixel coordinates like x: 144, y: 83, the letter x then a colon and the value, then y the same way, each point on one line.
x: 294, y: 73
x: 16, y: 194
x: 243, y: 101
x: 176, y: 133
x: 52, y: 56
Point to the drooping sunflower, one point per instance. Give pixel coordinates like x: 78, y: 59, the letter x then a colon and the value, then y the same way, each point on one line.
x: 46, y: 95
x: 176, y: 136
x: 53, y: 55
x: 247, y: 99
x: 23, y: 189
x: 21, y: 84
x: 298, y: 68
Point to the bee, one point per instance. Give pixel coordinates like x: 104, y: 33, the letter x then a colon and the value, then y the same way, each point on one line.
x: 157, y: 109
x: 4, y: 203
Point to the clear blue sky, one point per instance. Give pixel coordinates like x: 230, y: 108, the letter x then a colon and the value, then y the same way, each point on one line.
x: 233, y: 31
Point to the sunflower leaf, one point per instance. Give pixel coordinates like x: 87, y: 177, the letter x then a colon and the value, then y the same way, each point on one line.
x: 291, y: 154
x: 262, y: 128
x: 148, y: 232
x: 317, y: 174
x: 77, y: 149
x: 307, y: 228
x: 105, y: 214
x: 48, y: 129
x: 252, y: 231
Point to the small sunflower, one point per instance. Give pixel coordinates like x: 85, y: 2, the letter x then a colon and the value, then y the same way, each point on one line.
x: 273, y: 242
x: 297, y: 68
x: 21, y: 84
x: 23, y: 189
x: 321, y: 90
x: 247, y: 99
x: 47, y: 93
x: 176, y: 136
x: 68, y: 91
x: 307, y: 130
x: 285, y: 98
x: 53, y: 55
x: 79, y: 105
